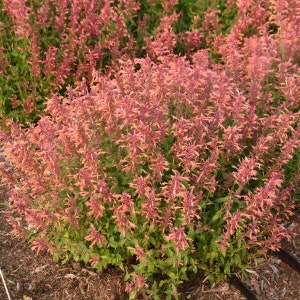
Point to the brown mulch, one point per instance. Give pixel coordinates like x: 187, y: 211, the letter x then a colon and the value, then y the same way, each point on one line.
x: 30, y: 276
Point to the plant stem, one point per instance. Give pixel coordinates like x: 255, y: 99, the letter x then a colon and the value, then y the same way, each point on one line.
x: 5, y: 286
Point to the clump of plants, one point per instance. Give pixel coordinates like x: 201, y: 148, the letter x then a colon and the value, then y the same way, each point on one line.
x: 167, y: 166
x: 47, y: 46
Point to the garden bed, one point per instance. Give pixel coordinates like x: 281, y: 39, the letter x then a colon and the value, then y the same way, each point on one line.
x: 37, y: 277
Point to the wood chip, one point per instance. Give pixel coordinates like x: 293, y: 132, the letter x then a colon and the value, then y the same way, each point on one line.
x: 70, y: 276
x: 38, y: 269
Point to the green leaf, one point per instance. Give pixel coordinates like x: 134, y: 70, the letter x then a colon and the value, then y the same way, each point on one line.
x: 127, y: 277
x: 194, y: 269
x: 227, y: 269
x: 56, y: 257
x: 222, y: 199
x: 203, y: 267
x: 219, y: 214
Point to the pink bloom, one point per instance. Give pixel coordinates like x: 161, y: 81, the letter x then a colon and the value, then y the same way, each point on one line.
x: 123, y: 220
x: 126, y: 202
x: 150, y: 205
x: 159, y: 166
x: 18, y: 229
x: 41, y: 244
x: 246, y: 171
x: 190, y: 206
x: 167, y: 220
x: 95, y: 237
x: 140, y: 184
x: 140, y: 253
x: 175, y: 188
x: 178, y: 237
x: 94, y: 260
x: 96, y: 208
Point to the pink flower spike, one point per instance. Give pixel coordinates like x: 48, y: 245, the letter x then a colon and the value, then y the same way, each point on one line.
x: 179, y: 238
x: 95, y: 237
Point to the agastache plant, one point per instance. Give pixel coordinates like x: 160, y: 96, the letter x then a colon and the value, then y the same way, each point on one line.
x: 48, y: 46
x: 167, y: 165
